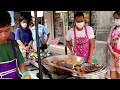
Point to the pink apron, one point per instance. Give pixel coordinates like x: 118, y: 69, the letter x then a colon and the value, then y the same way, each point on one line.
x: 115, y: 38
x: 81, y: 45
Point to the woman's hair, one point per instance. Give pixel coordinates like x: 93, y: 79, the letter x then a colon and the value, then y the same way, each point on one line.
x: 21, y: 19
x: 116, y: 12
x: 5, y: 18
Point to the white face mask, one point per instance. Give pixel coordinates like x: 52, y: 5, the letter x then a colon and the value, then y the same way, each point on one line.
x: 24, y: 25
x: 80, y: 25
x: 117, y: 22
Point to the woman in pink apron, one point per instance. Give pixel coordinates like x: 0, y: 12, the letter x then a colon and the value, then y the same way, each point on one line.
x: 82, y: 37
x: 113, y: 43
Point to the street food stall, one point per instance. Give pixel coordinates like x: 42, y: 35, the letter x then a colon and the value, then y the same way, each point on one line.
x: 68, y: 66
x: 73, y: 67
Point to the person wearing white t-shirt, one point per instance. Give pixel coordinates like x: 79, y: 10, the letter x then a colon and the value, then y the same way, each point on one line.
x: 82, y: 37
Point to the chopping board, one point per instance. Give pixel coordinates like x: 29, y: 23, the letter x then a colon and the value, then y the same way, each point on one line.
x: 63, y: 68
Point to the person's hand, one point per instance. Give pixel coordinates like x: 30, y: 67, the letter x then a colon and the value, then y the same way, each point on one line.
x: 23, y: 47
x: 27, y: 76
x: 27, y: 47
x: 116, y: 55
x: 33, y: 50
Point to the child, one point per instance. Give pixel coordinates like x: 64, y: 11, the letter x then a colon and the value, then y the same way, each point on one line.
x: 113, y: 43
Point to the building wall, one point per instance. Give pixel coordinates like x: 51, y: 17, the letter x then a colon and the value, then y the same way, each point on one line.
x: 49, y: 24
x: 103, y: 25
x: 103, y: 28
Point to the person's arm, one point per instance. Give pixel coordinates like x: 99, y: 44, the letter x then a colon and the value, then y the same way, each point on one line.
x: 48, y: 34
x: 21, y: 44
x: 68, y: 39
x: 20, y: 62
x: 46, y: 40
x: 23, y: 69
x: 30, y: 43
x: 91, y: 43
x: 109, y: 42
x: 17, y: 38
x: 110, y: 48
x: 69, y: 47
x: 114, y: 54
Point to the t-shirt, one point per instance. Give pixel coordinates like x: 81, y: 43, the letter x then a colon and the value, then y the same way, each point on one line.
x: 7, y: 53
x: 42, y: 31
x: 70, y: 34
x: 24, y: 35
